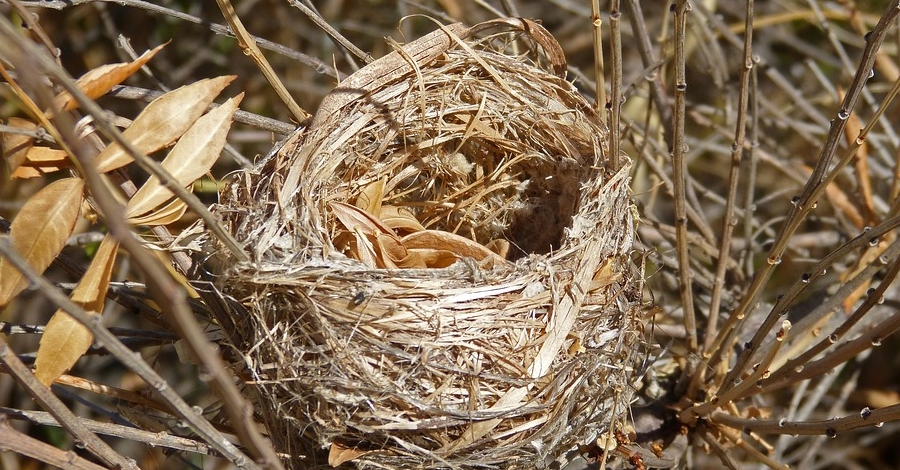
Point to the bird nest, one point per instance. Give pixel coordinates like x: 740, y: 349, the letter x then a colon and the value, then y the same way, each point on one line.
x: 442, y: 271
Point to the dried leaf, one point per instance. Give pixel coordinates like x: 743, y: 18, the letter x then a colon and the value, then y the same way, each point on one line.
x: 370, y: 198
x: 427, y: 258
x: 400, y: 219
x: 15, y: 146
x: 166, y: 215
x: 354, y: 218
x: 460, y: 246
x: 364, y: 250
x: 97, y: 82
x: 191, y: 158
x: 40, y: 161
x: 389, y: 250
x: 164, y: 120
x: 65, y: 340
x: 339, y: 454
x: 40, y: 231
x: 605, y: 276
x: 499, y: 246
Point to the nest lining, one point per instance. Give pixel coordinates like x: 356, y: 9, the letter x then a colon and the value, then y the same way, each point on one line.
x: 467, y: 366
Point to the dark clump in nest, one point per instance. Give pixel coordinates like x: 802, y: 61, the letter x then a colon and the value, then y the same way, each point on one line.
x: 442, y: 271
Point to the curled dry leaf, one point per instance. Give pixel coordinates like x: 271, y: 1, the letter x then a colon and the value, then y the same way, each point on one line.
x: 170, y: 213
x: 15, y: 146
x: 460, y: 246
x: 400, y: 219
x: 370, y: 198
x: 339, y: 454
x: 95, y: 83
x: 354, y: 218
x: 192, y: 157
x: 375, y: 244
x: 40, y: 231
x: 499, y: 246
x: 65, y: 340
x: 164, y: 120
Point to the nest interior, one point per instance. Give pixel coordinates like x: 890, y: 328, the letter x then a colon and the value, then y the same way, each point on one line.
x: 506, y: 360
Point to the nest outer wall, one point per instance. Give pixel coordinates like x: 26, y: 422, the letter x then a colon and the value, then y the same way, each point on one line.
x: 459, y: 367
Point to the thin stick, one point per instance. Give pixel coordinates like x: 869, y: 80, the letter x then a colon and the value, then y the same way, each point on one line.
x: 334, y: 34
x: 679, y: 167
x: 657, y: 92
x: 248, y: 44
x: 12, y: 440
x: 865, y: 418
x: 316, y: 64
x: 131, y: 360
x: 615, y: 44
x: 156, y: 439
x: 751, y: 175
x: 48, y: 401
x: 805, y: 200
x: 165, y: 289
x: 599, y: 72
x: 737, y: 149
x: 801, y: 210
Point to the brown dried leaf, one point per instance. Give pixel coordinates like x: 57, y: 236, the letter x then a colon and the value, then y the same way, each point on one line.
x: 15, y: 146
x: 400, y: 219
x: 354, y: 218
x: 370, y: 198
x: 65, y: 340
x: 499, y: 246
x: 191, y: 158
x: 456, y: 244
x: 427, y: 258
x: 164, y: 120
x: 339, y: 454
x: 364, y: 250
x: 40, y: 230
x: 390, y: 250
x: 40, y: 161
x: 166, y: 215
x: 97, y: 82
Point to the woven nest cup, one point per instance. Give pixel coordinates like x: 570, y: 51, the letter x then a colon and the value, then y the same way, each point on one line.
x: 441, y: 270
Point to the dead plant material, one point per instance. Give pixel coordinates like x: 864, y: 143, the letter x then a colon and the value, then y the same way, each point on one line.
x: 441, y: 270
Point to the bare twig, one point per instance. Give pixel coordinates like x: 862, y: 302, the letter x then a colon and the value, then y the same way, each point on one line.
x: 248, y: 44
x: 865, y: 418
x: 12, y: 440
x: 334, y: 34
x: 728, y: 218
x: 804, y: 202
x: 679, y: 169
x: 314, y: 63
x: 615, y: 110
x: 155, y: 439
x: 49, y: 402
x: 23, y: 48
x: 599, y: 69
x: 650, y: 61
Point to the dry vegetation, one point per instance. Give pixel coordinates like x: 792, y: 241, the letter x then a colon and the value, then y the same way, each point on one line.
x: 736, y: 309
